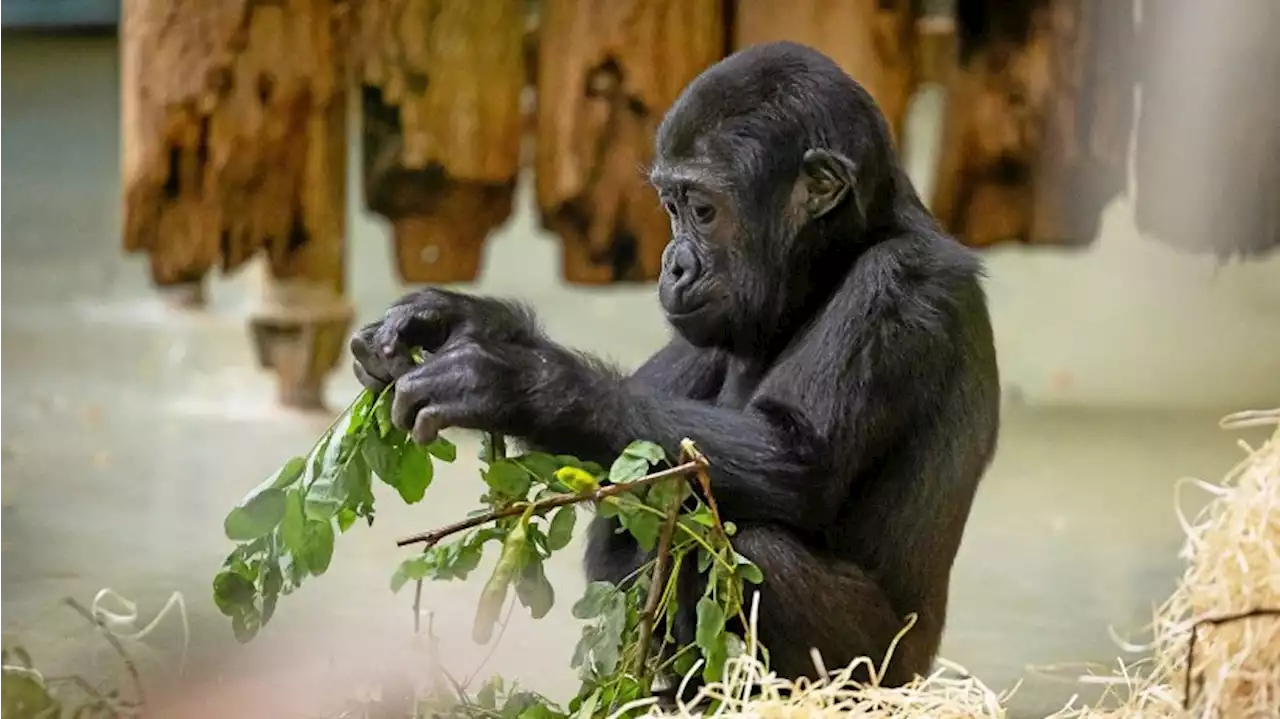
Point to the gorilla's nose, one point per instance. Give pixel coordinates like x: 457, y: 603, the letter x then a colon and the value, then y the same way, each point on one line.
x: 683, y: 266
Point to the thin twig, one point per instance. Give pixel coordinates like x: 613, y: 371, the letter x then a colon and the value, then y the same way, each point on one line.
x: 704, y: 480
x: 543, y: 506
x: 656, y: 586
x: 129, y: 664
x: 1217, y: 622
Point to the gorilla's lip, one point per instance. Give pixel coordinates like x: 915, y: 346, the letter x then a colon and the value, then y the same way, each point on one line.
x: 685, y: 314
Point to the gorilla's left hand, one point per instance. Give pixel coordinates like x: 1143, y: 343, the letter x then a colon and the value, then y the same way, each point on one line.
x: 428, y: 320
x: 466, y: 384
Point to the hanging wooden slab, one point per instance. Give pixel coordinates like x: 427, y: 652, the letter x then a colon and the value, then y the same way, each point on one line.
x: 1038, y: 119
x: 442, y: 126
x: 872, y: 40
x: 607, y: 71
x: 234, y: 141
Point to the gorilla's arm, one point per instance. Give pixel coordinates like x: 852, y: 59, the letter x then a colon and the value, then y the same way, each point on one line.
x: 845, y: 393
x: 682, y: 370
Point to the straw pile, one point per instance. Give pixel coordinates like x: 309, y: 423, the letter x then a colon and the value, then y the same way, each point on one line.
x: 1233, y: 570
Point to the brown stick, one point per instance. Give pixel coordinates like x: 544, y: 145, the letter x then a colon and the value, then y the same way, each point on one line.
x: 656, y: 586
x: 545, y: 505
x: 704, y: 480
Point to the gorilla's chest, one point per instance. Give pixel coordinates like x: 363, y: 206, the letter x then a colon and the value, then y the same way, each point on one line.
x: 740, y: 384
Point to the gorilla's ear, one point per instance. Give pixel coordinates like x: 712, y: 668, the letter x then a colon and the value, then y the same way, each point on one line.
x: 828, y: 178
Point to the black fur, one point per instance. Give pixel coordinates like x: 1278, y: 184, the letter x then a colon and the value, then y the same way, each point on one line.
x: 833, y: 359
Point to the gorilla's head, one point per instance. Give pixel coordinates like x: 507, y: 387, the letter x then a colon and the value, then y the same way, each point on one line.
x: 776, y: 168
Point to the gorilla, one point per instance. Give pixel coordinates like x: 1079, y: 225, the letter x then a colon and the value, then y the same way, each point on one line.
x: 832, y: 356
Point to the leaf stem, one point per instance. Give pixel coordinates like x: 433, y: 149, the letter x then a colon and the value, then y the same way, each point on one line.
x: 657, y: 587
x: 543, y: 506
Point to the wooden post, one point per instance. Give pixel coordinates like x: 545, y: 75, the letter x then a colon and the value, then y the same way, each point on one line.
x: 872, y: 40
x: 1208, y: 144
x: 442, y: 126
x: 607, y: 71
x: 1038, y: 118
x: 234, y: 124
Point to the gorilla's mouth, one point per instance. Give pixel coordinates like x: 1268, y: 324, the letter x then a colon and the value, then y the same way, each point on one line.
x: 687, y: 313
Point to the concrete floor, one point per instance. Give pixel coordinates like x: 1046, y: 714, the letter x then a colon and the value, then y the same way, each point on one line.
x: 129, y: 429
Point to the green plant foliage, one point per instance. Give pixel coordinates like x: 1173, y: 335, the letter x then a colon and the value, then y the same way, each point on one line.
x: 286, y: 529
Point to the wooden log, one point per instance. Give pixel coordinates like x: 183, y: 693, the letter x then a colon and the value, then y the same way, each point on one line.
x: 442, y: 126
x: 1208, y: 142
x: 872, y: 40
x: 1038, y: 119
x: 607, y: 71
x: 234, y: 124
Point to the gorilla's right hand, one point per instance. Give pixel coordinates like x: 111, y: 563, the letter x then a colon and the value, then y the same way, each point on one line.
x: 426, y: 320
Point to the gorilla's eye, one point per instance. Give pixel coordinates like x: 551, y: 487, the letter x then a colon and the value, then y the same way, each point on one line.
x: 704, y: 213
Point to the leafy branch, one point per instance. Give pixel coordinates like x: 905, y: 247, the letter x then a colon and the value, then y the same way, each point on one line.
x: 286, y: 527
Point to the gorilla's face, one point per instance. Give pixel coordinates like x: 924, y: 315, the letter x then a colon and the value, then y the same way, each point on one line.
x: 697, y: 281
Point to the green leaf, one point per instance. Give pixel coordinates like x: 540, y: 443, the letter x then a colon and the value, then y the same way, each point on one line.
x: 406, y: 466
x: 595, y: 600
x: 346, y: 518
x: 245, y: 626
x: 662, y: 494
x: 507, y: 478
x: 541, y: 466
x: 560, y: 531
x: 702, y: 515
x: 705, y: 559
x: 318, y: 549
x: 411, y: 569
x: 627, y: 468
x: 272, y: 583
x: 747, y: 570
x: 710, y: 638
x: 382, y: 457
x: 256, y: 516
x: 415, y: 473
x: 710, y: 624
x: 684, y: 663
x: 443, y: 449
x: 647, y: 451
x: 645, y: 527
x: 289, y: 473
x: 533, y: 589
x: 293, y: 528
x: 232, y: 592
x: 583, y: 648
x: 382, y: 413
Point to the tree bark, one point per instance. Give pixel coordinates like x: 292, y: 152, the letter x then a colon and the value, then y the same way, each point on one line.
x: 1208, y: 145
x: 1038, y: 119
x: 442, y: 126
x: 607, y: 71
x: 872, y: 40
x: 234, y: 130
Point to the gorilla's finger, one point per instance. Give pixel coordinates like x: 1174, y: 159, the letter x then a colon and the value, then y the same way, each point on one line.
x: 407, y: 327
x: 427, y: 426
x: 368, y: 380
x: 369, y: 366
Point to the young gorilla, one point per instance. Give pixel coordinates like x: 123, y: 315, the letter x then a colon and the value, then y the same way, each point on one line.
x: 833, y: 360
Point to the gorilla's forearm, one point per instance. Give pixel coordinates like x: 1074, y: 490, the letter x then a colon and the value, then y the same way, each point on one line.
x: 586, y: 408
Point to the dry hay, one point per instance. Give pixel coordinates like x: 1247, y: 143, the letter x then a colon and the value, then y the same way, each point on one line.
x: 1232, y: 551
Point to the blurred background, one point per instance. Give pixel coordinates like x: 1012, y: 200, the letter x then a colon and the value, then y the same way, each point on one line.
x: 201, y: 199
